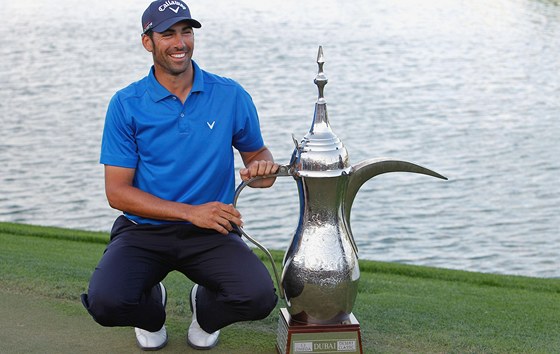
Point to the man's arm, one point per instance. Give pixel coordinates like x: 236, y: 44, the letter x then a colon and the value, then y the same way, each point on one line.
x: 122, y: 195
x: 258, y: 163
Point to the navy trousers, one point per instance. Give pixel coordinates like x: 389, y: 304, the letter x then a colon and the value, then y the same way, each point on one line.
x: 234, y: 285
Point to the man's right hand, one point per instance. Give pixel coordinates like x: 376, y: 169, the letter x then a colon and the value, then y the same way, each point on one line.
x: 216, y: 216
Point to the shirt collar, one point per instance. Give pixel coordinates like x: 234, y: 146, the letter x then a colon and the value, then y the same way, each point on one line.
x: 157, y: 92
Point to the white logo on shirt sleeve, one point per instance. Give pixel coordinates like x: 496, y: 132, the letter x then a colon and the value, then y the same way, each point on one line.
x: 211, y: 125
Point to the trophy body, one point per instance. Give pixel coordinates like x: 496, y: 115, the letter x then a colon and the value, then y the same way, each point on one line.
x: 321, y: 272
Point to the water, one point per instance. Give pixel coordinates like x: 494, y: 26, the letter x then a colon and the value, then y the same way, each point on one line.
x: 467, y: 88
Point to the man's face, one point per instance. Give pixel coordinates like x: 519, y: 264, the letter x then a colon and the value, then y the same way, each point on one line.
x: 172, y: 50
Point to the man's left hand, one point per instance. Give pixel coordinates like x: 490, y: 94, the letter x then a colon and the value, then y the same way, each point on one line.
x: 259, y: 168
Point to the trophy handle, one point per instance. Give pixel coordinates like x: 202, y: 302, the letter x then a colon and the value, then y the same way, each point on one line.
x: 283, y: 170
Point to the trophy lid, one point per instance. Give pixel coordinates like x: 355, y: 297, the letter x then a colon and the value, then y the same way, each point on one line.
x: 321, y: 153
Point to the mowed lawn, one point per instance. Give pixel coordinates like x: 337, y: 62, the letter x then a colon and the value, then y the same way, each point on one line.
x: 401, y: 308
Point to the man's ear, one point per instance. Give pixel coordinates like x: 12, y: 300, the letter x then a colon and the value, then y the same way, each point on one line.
x: 147, y: 43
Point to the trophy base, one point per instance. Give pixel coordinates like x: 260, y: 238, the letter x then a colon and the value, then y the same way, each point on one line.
x: 294, y: 338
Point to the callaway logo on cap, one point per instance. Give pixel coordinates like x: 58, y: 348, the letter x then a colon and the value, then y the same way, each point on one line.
x: 161, y: 15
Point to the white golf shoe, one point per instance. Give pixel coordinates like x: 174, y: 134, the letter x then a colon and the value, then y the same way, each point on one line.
x: 153, y: 340
x: 197, y: 337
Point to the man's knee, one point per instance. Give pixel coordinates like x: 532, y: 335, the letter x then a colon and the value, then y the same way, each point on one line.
x: 105, y: 310
x: 261, y: 303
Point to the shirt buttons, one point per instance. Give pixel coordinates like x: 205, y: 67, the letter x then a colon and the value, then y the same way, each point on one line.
x: 182, y: 114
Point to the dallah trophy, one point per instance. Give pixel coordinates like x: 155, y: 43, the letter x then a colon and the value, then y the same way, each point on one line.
x: 320, y: 270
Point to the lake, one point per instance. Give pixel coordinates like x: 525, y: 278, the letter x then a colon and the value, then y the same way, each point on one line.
x: 470, y: 89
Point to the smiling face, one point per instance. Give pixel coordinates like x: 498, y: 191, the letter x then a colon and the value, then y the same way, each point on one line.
x: 172, y: 49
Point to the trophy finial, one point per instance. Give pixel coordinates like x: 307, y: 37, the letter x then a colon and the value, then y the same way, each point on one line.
x: 321, y: 80
x: 321, y: 153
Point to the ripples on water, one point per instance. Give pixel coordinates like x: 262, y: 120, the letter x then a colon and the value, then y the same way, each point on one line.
x: 468, y: 88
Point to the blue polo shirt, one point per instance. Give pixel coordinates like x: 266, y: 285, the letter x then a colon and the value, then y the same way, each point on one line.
x: 181, y: 152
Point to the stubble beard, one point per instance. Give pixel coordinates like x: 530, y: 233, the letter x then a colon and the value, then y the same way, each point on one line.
x: 162, y: 61
x: 171, y: 68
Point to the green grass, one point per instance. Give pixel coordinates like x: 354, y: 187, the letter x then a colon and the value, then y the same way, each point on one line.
x: 401, y: 308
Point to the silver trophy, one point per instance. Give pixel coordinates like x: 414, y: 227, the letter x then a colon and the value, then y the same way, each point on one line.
x: 320, y: 274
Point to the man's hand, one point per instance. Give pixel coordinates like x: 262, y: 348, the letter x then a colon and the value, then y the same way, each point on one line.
x: 259, y: 168
x: 258, y: 163
x: 215, y: 215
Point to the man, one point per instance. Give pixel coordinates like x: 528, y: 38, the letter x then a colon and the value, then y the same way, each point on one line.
x: 167, y: 150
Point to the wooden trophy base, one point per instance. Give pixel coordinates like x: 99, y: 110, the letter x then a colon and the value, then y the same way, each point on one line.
x: 294, y: 338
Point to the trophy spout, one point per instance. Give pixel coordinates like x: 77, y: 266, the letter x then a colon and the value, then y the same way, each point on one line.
x: 367, y: 169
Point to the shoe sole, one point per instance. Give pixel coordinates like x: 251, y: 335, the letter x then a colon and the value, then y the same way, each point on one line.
x: 151, y: 349
x: 201, y: 348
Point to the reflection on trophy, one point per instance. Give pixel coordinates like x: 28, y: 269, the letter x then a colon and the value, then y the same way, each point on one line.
x: 320, y: 275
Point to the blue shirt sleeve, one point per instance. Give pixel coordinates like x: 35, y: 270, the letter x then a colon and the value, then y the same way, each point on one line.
x: 247, y: 135
x: 118, y: 146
